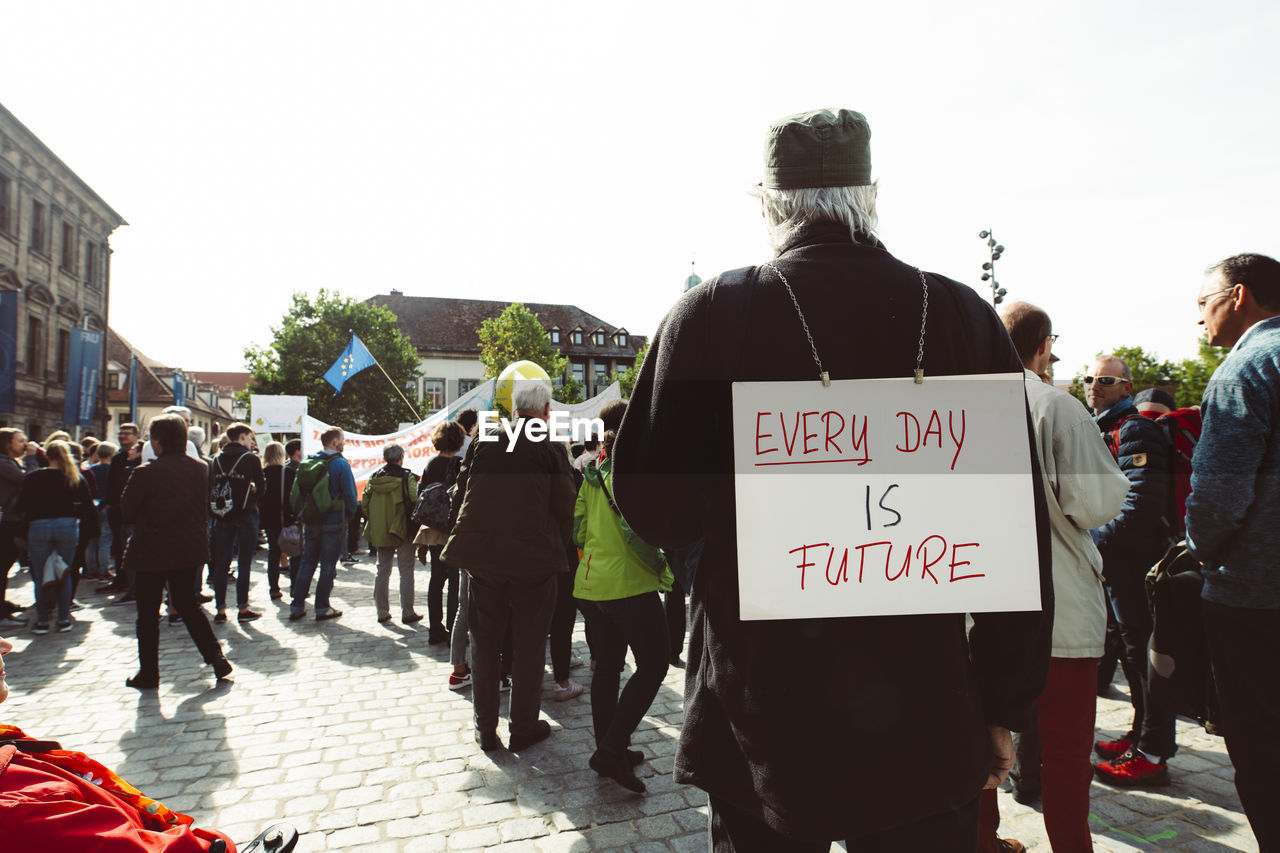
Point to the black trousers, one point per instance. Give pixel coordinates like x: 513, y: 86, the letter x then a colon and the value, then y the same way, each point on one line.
x: 8, y: 554
x: 182, y: 601
x: 639, y: 623
x: 955, y: 831
x: 494, y: 604
x: 1244, y: 646
x: 562, y: 619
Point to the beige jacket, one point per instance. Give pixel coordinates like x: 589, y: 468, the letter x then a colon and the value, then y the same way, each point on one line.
x: 1084, y: 489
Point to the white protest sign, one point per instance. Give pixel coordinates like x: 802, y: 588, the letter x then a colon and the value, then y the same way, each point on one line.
x: 878, y: 497
x: 364, y: 452
x: 276, y: 413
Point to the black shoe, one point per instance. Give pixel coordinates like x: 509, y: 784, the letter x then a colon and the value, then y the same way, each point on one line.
x: 677, y: 662
x: 488, y: 741
x: 112, y: 587
x: 1025, y: 796
x: 141, y: 682
x: 617, y: 768
x: 220, y: 617
x: 412, y: 619
x: 204, y: 598
x: 436, y: 636
x: 330, y: 613
x: 541, y: 732
x: 221, y: 668
x: 294, y: 617
x: 175, y: 619
x: 635, y: 756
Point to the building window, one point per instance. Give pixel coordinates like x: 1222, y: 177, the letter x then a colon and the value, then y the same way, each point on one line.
x: 68, y: 247
x: 6, y: 218
x: 39, y: 227
x: 597, y: 338
x: 622, y: 339
x: 599, y: 377
x: 576, y: 337
x: 555, y: 337
x: 64, y: 353
x: 465, y: 385
x: 433, y: 393
x: 35, y: 348
x: 115, y: 380
x: 579, y: 373
x: 90, y: 264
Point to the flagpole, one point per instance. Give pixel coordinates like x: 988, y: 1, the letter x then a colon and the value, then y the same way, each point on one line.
x: 416, y: 416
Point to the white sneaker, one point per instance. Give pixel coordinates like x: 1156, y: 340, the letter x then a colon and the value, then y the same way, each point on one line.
x: 575, y: 660
x: 568, y: 691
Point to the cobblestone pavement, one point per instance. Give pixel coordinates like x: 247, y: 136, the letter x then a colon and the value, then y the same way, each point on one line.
x: 345, y: 728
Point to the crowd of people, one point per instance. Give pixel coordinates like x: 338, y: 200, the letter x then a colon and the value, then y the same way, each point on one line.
x: 912, y: 735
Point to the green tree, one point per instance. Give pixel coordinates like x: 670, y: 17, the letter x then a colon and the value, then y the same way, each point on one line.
x: 517, y: 335
x: 570, y: 390
x: 310, y: 338
x: 1194, y: 373
x: 629, y: 376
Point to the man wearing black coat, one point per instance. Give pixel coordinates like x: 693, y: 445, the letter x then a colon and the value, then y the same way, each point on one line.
x: 117, y: 476
x: 1130, y: 545
x: 167, y: 501
x: 882, y: 729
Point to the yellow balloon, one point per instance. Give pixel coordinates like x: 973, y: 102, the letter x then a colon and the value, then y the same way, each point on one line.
x: 505, y: 386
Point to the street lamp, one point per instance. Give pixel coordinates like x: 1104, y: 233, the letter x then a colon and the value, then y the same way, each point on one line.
x: 989, y: 268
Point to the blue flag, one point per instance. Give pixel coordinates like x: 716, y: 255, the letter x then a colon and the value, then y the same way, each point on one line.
x: 179, y: 388
x: 8, y: 349
x: 84, y: 362
x: 355, y: 358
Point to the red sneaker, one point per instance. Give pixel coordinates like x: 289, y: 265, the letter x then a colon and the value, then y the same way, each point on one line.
x: 1110, y: 750
x: 1132, y: 770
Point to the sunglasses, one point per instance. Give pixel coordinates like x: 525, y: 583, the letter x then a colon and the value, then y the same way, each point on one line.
x: 1104, y: 381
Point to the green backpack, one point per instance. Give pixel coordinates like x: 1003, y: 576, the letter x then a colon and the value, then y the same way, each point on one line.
x: 311, y: 498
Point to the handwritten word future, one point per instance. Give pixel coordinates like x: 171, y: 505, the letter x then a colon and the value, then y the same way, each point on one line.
x: 830, y: 436
x: 869, y: 558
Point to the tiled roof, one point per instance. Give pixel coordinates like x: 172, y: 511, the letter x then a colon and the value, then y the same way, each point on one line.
x: 441, y: 324
x: 235, y: 380
x: 152, y: 389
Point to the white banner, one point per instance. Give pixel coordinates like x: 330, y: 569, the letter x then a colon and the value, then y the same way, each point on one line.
x: 364, y: 452
x: 878, y: 497
x: 276, y: 413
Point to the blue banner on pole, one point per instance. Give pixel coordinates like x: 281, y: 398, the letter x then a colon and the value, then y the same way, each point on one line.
x: 8, y: 349
x: 84, y: 366
x: 133, y: 388
x: 179, y: 388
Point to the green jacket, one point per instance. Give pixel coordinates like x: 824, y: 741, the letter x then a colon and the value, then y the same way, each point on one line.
x: 513, y: 512
x: 615, y: 563
x: 387, y: 502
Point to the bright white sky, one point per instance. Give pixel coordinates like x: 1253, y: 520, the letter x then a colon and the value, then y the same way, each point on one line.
x: 585, y: 152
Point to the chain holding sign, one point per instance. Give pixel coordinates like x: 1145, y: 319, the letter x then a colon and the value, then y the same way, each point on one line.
x: 878, y: 497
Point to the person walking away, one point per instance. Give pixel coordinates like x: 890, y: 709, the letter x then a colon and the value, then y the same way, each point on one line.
x: 511, y: 519
x: 98, y: 555
x: 236, y: 486
x: 323, y: 496
x: 167, y: 502
x: 274, y: 513
x: 387, y: 503
x: 48, y: 501
x: 442, y: 591
x: 122, y: 464
x: 618, y: 582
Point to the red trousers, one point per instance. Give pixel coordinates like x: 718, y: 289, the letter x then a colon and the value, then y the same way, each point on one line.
x: 1065, y: 714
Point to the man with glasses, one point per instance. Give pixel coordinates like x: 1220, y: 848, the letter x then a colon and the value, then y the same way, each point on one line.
x: 1233, y: 524
x: 1130, y: 544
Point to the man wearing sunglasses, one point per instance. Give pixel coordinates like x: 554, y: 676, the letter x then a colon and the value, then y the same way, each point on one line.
x: 1233, y: 524
x: 1130, y: 544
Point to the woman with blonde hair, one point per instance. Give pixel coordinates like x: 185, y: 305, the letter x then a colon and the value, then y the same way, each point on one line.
x: 50, y: 501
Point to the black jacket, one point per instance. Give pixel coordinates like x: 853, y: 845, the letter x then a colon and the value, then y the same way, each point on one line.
x: 167, y: 500
x: 274, y: 510
x: 248, y: 471
x: 1137, y: 538
x: 513, y: 512
x: 823, y: 728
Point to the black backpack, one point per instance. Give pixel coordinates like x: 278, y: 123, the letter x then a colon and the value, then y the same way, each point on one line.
x: 230, y: 493
x: 435, y: 502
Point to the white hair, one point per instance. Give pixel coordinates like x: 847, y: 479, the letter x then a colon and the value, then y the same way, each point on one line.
x: 786, y: 211
x: 531, y: 395
x: 196, y: 435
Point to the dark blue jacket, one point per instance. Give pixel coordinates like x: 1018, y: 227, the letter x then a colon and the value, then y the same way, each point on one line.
x: 1139, y: 535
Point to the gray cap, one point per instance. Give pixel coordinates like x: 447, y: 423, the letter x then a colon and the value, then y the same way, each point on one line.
x: 820, y: 148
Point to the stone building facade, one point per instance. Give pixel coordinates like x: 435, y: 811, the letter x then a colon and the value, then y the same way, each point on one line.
x: 55, y: 253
